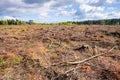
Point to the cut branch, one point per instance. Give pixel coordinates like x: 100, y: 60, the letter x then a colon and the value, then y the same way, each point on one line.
x: 79, y: 62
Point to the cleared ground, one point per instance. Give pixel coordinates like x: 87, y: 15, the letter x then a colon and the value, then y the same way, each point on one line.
x: 43, y: 52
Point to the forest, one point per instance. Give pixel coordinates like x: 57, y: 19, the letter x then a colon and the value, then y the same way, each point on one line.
x: 95, y: 22
x: 88, y: 22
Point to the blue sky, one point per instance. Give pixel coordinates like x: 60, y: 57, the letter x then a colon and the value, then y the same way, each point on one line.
x: 59, y: 10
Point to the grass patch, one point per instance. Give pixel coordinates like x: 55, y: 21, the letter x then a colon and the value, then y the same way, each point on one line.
x: 15, y: 60
x: 2, y: 62
x: 11, y: 61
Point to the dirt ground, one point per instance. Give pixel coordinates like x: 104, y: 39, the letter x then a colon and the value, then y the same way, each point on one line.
x: 43, y: 52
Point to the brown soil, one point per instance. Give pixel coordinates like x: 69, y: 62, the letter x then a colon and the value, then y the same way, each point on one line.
x: 40, y: 52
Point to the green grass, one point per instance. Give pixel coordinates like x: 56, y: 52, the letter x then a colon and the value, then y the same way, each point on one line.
x: 14, y: 60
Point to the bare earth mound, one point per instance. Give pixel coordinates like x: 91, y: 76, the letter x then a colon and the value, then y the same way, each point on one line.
x: 60, y: 52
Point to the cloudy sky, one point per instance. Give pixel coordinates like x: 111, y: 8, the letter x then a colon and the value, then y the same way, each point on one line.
x: 59, y: 10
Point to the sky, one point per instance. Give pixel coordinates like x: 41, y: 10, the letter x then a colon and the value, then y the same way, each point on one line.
x: 47, y: 11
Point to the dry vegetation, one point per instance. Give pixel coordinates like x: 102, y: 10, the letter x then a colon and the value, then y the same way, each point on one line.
x: 47, y: 52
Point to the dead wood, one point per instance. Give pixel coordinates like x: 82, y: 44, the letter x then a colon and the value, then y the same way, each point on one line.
x: 82, y: 61
x: 87, y: 59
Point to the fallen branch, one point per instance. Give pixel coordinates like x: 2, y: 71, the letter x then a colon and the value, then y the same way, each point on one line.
x: 79, y: 62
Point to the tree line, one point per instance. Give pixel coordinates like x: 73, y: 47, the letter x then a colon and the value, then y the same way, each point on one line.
x: 15, y: 22
x: 95, y: 22
x: 88, y: 22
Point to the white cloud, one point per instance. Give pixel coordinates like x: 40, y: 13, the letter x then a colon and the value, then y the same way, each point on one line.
x: 44, y: 8
x: 110, y: 1
x: 87, y: 8
x: 67, y: 13
x: 87, y: 1
x: 8, y: 18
